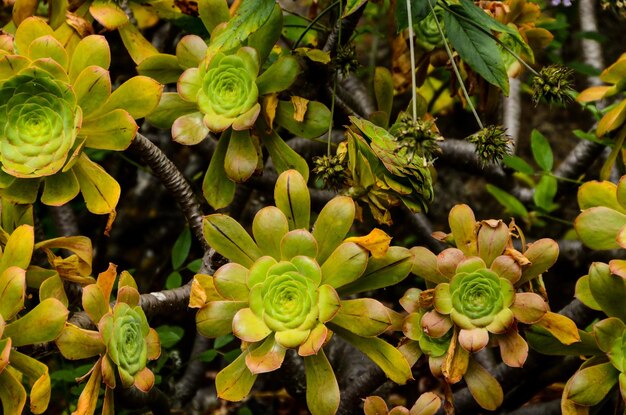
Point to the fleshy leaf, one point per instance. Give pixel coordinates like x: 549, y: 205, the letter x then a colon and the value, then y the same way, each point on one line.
x: 375, y: 405
x: 89, y: 396
x: 241, y: 157
x: 279, y: 76
x: 234, y: 382
x: 216, y: 318
x: 463, y: 226
x: 212, y: 13
x: 283, y: 156
x: 230, y: 281
x: 248, y: 327
x: 12, y: 291
x: 387, y: 357
x: 267, y: 357
x: 60, y: 188
x: 92, y: 87
x: 363, y: 316
x: 37, y: 373
x: 19, y: 248
x: 427, y: 404
x: 598, y: 227
x: 493, y: 237
x: 529, y: 307
x: 298, y: 242
x: 608, y: 290
x: 76, y: 343
x: 425, y: 265
x: 315, y: 122
x: 42, y: 324
x: 590, y: 385
x: 322, y: 390
x: 268, y: 227
x: 382, y: 272
x: 291, y: 195
x: 114, y: 130
x: 345, y: 265
x: 217, y: 189
x: 513, y: 348
x: 332, y: 225
x: 12, y: 393
x: 162, y: 67
x: 230, y: 239
x: 560, y: 327
x: 94, y: 302
x: 542, y: 254
x: 484, y: 388
x: 91, y: 50
x: 100, y: 190
x: 139, y: 96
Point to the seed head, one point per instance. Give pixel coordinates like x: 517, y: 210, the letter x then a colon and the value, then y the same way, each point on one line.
x: 331, y: 170
x: 554, y: 83
x: 492, y: 143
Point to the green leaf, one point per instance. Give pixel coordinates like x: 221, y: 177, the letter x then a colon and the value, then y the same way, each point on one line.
x: 590, y: 385
x: 483, y: 387
x: 541, y: 340
x: 510, y: 202
x: 91, y: 50
x: 542, y: 152
x: 162, y: 67
x: 291, y: 195
x: 135, y: 43
x: 545, y: 193
x: 383, y: 91
x: 171, y: 106
x: 344, y: 265
x: 216, y: 318
x: 279, y: 76
x: 419, y: 11
x: 264, y: 39
x: 476, y: 48
x: 101, y: 191
x: 12, y: 393
x: 332, y: 225
x: 113, y: 130
x: 174, y: 280
x: 482, y: 19
x: 93, y: 88
x: 387, y: 357
x: 382, y: 272
x: 60, y: 188
x: 363, y: 316
x: 598, y: 227
x: 181, y: 248
x: 42, y: 324
x: 213, y: 13
x: 195, y: 265
x: 608, y: 290
x: 248, y: 18
x: 234, y: 382
x: 222, y: 341
x: 217, y: 188
x: 75, y: 343
x: 268, y: 227
x: 315, y: 123
x: 207, y: 356
x: 139, y: 96
x: 283, y: 156
x: 518, y: 164
x: 241, y: 157
x: 169, y: 335
x: 322, y: 389
x: 230, y: 239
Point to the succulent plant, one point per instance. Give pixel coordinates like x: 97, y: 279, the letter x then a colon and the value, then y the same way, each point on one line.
x: 476, y: 300
x: 55, y: 104
x: 383, y: 173
x: 427, y: 404
x: 42, y: 323
x: 124, y: 340
x: 228, y: 86
x: 282, y: 291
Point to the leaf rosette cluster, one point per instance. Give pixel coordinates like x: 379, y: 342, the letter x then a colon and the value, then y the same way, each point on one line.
x: 57, y: 102
x: 43, y: 323
x: 282, y: 291
x: 124, y: 340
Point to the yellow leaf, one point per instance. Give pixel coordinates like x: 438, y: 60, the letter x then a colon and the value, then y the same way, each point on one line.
x: 377, y: 242
x: 593, y: 94
x: 300, y: 106
x: 561, y: 327
x: 106, y: 280
x: 270, y: 103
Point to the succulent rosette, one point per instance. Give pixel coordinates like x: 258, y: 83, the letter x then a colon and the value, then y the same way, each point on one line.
x: 282, y: 291
x: 603, y: 289
x: 124, y: 340
x: 43, y: 323
x: 427, y: 404
x: 54, y: 104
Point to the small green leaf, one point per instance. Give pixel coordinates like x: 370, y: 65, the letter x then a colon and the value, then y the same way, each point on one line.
x: 217, y: 188
x: 174, y: 280
x: 352, y: 6
x: 181, y: 248
x: 207, y: 356
x: 383, y: 90
x: 195, y: 265
x: 598, y: 227
x: 517, y: 164
x: 419, y: 11
x: 169, y: 335
x: 283, y: 156
x: 542, y: 152
x: 322, y: 389
x: 344, y: 265
x: 545, y: 192
x: 510, y: 202
x: 222, y: 341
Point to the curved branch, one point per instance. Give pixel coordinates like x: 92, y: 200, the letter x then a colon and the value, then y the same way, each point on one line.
x: 174, y: 181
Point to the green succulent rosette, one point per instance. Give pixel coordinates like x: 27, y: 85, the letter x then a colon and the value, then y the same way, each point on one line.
x: 43, y: 323
x: 55, y: 104
x: 224, y: 87
x: 124, y: 340
x: 282, y: 291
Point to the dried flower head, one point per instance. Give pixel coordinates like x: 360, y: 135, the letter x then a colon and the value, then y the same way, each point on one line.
x: 554, y: 83
x: 346, y: 60
x: 418, y: 135
x: 616, y: 6
x: 492, y: 143
x: 332, y: 170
